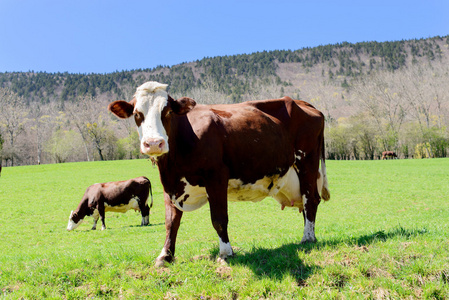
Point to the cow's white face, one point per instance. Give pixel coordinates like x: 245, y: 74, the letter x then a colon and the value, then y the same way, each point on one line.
x: 151, y: 99
x: 148, y: 106
x: 72, y: 224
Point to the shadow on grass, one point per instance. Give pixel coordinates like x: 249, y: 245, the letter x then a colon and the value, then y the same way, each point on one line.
x: 149, y: 225
x: 279, y: 262
x: 276, y: 263
x: 380, y: 235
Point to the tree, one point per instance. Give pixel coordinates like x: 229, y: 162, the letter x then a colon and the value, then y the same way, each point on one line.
x: 377, y: 95
x: 81, y: 113
x: 87, y: 117
x: 41, y: 121
x: 102, y: 138
x: 13, y: 115
x: 61, y: 145
x: 426, y: 91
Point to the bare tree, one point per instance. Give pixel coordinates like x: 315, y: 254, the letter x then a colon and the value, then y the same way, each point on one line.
x: 207, y: 93
x: 81, y: 112
x: 13, y: 120
x: 86, y: 114
x: 43, y: 122
x: 377, y: 95
x: 328, y: 98
x: 425, y: 89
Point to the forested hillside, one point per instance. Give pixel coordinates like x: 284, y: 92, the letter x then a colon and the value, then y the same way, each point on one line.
x: 233, y: 75
x: 376, y: 96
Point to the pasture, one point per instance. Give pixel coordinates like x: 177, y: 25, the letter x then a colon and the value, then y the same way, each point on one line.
x: 383, y: 235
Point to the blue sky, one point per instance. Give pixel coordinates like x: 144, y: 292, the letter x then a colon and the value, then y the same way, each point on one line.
x: 103, y: 36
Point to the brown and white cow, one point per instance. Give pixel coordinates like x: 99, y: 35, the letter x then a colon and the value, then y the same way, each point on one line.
x: 117, y: 196
x: 389, y: 154
x: 241, y: 152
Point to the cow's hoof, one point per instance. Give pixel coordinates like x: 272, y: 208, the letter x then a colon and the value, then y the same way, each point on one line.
x: 160, y: 263
x: 309, y: 240
x: 222, y: 261
x: 145, y: 221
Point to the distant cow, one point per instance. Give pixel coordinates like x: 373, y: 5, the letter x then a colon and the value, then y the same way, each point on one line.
x: 118, y: 196
x: 389, y: 154
x: 241, y: 152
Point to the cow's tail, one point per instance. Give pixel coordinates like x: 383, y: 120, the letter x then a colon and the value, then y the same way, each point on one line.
x: 151, y: 194
x: 325, y: 194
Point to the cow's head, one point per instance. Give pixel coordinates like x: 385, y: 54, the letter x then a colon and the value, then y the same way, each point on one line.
x: 74, y: 221
x: 151, y: 107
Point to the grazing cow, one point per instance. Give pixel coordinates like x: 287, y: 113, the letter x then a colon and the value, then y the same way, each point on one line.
x: 241, y: 152
x: 118, y: 196
x: 389, y: 154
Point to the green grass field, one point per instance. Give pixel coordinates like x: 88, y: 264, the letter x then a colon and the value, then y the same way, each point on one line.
x: 383, y: 235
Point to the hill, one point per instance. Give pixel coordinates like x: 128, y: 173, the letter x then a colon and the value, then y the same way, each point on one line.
x: 236, y: 75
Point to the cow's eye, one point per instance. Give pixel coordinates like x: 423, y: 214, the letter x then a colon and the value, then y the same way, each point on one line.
x: 138, y: 117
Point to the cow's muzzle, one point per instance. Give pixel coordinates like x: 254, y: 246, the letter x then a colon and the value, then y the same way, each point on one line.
x: 154, y: 146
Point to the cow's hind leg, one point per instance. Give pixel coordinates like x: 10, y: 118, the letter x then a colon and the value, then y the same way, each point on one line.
x: 101, y: 212
x: 308, y: 173
x: 143, y: 204
x: 172, y: 222
x: 145, y: 212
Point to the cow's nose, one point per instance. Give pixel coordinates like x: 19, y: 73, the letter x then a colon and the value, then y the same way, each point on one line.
x: 153, y: 146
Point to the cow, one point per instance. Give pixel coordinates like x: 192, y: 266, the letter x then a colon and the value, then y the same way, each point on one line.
x: 117, y: 196
x: 242, y: 152
x: 389, y: 154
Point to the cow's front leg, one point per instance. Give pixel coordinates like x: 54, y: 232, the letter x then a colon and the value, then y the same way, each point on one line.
x: 218, y: 203
x: 95, y: 223
x: 172, y: 222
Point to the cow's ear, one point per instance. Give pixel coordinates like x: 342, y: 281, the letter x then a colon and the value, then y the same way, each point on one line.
x: 122, y: 109
x: 182, y: 105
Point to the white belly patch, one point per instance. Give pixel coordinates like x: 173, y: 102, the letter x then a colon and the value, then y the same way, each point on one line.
x: 193, y: 197
x: 285, y: 189
x: 133, y: 204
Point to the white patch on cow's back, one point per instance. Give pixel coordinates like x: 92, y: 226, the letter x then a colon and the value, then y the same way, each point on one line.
x: 133, y: 204
x: 300, y: 155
